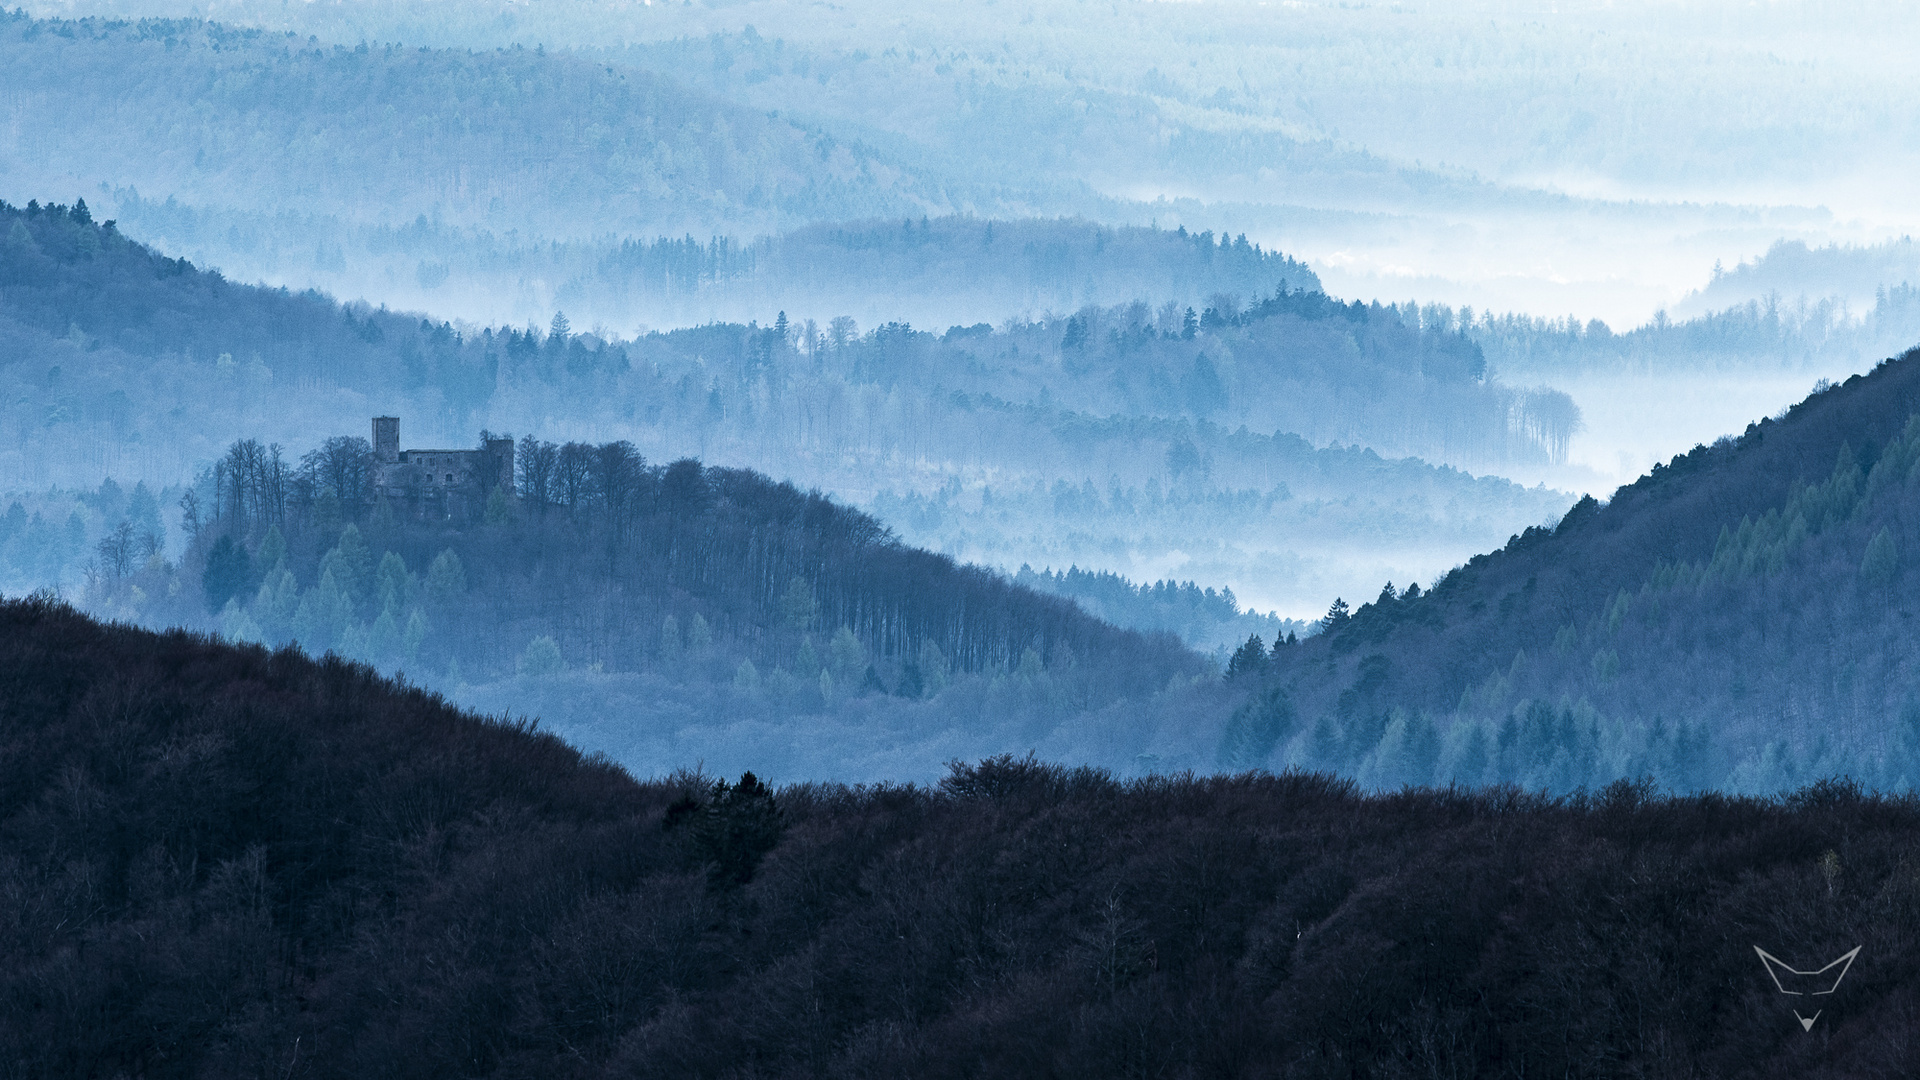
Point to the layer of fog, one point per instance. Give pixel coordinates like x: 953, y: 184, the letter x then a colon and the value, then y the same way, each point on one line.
x: 1382, y: 145
x: 1635, y: 420
x: 1682, y: 134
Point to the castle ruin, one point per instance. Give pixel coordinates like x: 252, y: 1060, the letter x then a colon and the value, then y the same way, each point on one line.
x: 437, y: 483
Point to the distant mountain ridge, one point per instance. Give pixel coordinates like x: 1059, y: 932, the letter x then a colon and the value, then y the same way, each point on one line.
x: 510, y: 139
x: 1183, y: 409
x: 92, y: 321
x: 928, y: 271
x: 1742, y: 615
x: 1790, y: 269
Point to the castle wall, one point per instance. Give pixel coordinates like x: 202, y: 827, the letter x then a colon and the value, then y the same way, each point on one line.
x: 437, y: 483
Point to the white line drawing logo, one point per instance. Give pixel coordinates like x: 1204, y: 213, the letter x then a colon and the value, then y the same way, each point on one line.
x: 1799, y: 983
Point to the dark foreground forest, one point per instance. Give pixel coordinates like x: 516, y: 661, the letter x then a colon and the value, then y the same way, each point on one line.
x: 220, y: 861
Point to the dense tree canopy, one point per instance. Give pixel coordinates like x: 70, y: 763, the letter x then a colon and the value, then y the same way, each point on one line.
x: 1739, y: 616
x: 230, y: 862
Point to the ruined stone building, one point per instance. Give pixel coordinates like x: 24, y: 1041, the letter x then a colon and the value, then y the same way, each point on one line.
x: 437, y: 483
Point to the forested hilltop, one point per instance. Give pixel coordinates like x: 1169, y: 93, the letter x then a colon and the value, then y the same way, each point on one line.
x: 1770, y: 335
x: 1741, y: 617
x: 236, y: 863
x: 933, y: 271
x: 1851, y: 273
x: 1199, y: 616
x: 664, y: 614
x: 93, y: 322
x: 1013, y: 444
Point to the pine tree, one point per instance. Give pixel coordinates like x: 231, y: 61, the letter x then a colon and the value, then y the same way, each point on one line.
x: 1256, y: 729
x: 1249, y: 659
x: 1076, y: 335
x: 912, y: 685
x: 272, y: 552
x: 739, y: 825
x: 1337, y: 616
x: 1280, y: 643
x: 849, y: 656
x: 416, y: 634
x: 933, y: 667
x: 351, y: 563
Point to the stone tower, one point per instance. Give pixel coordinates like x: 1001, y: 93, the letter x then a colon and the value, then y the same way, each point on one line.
x: 498, y: 465
x: 386, y: 439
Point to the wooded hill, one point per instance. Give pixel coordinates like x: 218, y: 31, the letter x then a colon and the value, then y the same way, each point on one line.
x: 92, y: 322
x: 1206, y: 619
x: 931, y: 271
x: 1290, y: 360
x: 1762, y: 336
x: 606, y: 554
x: 1790, y: 269
x: 1165, y: 405
x: 1741, y: 616
x: 666, y: 615
x: 225, y: 862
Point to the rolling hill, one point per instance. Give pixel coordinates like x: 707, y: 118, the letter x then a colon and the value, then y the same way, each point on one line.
x: 930, y: 271
x: 1217, y: 417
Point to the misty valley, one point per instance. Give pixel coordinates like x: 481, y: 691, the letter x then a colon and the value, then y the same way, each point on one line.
x: 1013, y: 538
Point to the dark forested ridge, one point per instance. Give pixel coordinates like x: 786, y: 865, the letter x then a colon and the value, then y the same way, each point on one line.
x: 612, y: 560
x: 233, y: 862
x: 664, y: 614
x: 1740, y: 616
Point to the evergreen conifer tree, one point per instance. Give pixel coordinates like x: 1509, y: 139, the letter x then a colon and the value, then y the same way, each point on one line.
x: 1248, y: 659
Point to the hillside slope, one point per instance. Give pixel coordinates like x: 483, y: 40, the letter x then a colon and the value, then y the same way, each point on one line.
x: 229, y: 862
x: 665, y: 615
x: 92, y: 322
x: 1742, y: 615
